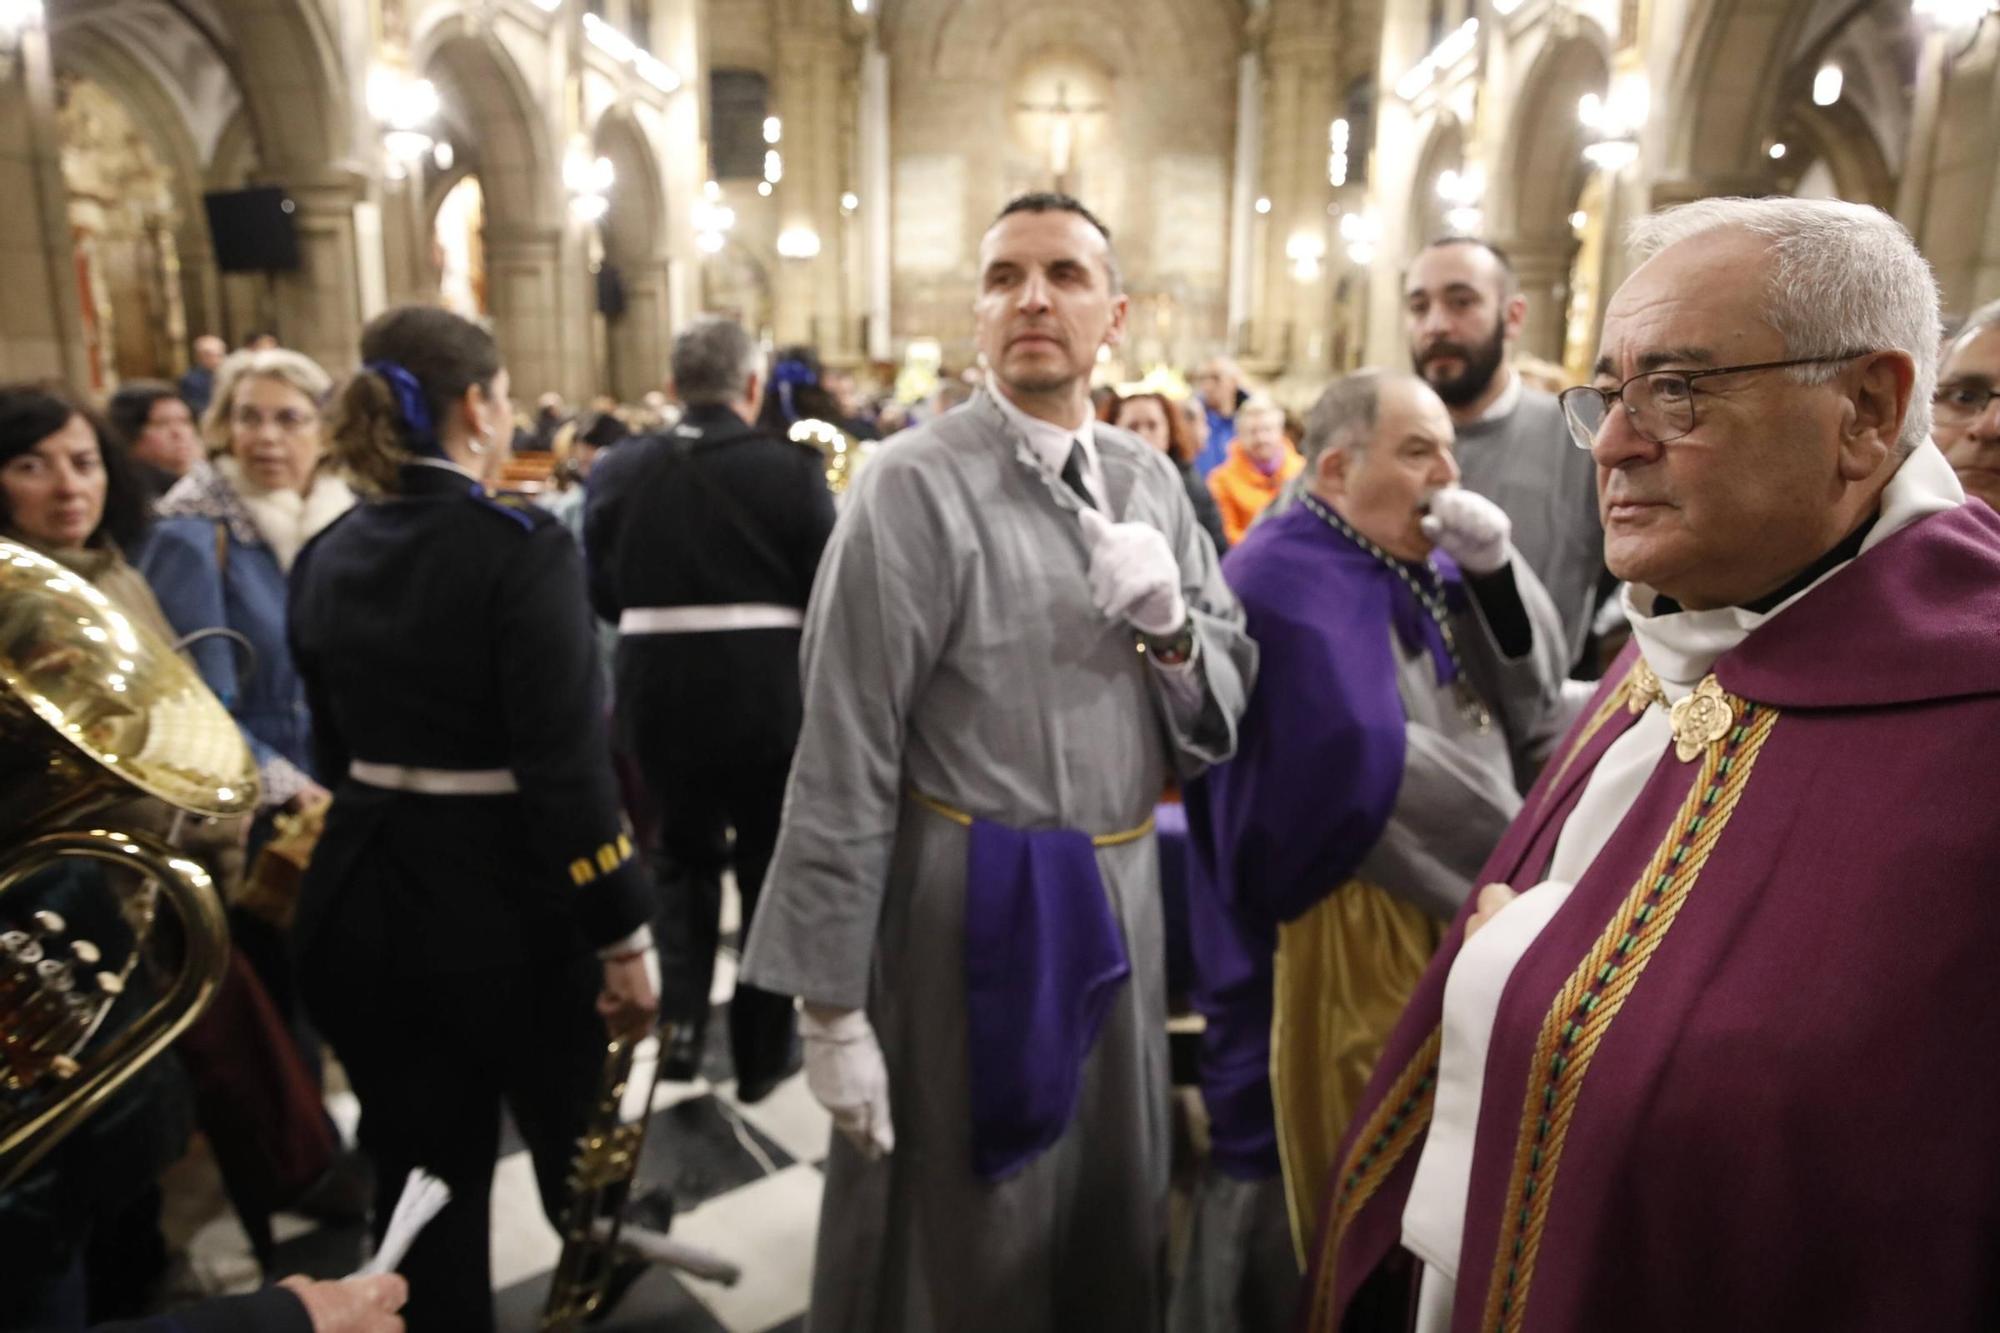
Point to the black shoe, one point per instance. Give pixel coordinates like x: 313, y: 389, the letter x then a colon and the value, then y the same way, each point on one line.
x: 757, y: 1086
x: 680, y: 1053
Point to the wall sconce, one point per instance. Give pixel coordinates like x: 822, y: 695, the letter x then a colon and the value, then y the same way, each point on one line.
x: 1361, y: 233
x: 798, y: 243
x: 1615, y: 120
x: 406, y: 108
x: 588, y: 180
x: 1462, y: 191
x: 1305, y: 249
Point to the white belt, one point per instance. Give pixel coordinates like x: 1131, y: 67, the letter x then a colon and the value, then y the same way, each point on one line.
x: 709, y: 619
x: 435, y: 781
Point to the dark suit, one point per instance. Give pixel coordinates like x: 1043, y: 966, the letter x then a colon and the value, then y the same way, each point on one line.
x: 714, y: 513
x: 446, y: 940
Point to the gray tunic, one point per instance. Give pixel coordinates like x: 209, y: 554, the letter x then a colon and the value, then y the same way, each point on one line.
x: 951, y: 646
x: 1526, y: 463
x: 1460, y: 787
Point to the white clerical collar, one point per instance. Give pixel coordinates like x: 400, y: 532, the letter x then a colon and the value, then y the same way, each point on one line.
x: 1051, y: 443
x: 1509, y: 399
x: 1682, y: 646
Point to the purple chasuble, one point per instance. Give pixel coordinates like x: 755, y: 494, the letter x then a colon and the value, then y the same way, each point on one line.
x: 1043, y: 958
x: 1786, y: 1120
x: 1319, y: 759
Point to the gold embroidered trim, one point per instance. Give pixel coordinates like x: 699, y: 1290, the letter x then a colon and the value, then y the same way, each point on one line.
x: 1582, y: 1012
x: 964, y: 820
x: 1402, y: 1113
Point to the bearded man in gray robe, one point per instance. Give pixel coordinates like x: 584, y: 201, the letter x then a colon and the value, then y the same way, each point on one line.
x: 1017, y: 636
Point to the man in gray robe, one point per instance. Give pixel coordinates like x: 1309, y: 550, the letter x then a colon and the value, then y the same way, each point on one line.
x: 1017, y: 636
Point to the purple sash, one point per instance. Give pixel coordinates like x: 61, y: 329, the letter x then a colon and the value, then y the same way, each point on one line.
x: 1044, y: 956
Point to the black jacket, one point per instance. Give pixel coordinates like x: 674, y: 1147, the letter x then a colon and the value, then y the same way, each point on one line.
x: 444, y: 628
x: 715, y: 512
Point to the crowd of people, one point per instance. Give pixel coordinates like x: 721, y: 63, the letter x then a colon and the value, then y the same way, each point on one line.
x: 1565, y: 785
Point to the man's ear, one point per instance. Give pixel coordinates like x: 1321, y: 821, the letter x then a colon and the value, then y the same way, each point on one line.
x: 1514, y: 315
x: 753, y: 388
x: 1876, y: 405
x: 1330, y: 472
x: 1120, y: 307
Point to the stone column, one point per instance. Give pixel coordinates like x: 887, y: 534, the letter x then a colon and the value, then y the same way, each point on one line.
x: 677, y: 39
x: 1542, y: 270
x: 640, y: 339
x: 317, y: 309
x: 1243, y: 196
x: 41, y: 321
x: 521, y: 293
x: 1300, y: 106
x: 812, y: 61
x: 875, y: 199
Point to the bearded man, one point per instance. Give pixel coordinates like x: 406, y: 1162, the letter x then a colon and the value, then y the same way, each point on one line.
x: 1462, y: 311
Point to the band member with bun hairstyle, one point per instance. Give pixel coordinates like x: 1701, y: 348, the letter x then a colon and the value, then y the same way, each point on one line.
x: 474, y: 917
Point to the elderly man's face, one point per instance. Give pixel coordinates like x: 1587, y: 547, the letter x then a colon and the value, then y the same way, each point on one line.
x: 1966, y: 422
x: 1774, y: 472
x: 1382, y: 488
x: 1262, y: 435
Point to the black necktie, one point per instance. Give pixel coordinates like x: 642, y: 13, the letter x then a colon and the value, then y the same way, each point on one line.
x: 1072, y: 474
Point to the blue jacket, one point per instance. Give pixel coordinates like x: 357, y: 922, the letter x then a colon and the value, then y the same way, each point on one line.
x: 210, y: 568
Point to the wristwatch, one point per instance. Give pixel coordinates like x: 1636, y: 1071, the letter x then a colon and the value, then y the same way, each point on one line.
x: 1172, y: 650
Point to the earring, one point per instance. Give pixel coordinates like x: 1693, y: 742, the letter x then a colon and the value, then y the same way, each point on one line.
x: 478, y: 444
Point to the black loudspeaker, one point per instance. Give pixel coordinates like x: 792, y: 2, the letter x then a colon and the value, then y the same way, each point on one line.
x: 254, y: 230
x: 610, y: 291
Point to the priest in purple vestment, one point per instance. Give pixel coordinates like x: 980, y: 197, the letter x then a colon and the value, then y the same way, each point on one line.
x: 1712, y: 1047
x: 1411, y: 669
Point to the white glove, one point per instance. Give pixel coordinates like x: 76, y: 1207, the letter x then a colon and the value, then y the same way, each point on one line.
x: 846, y: 1075
x: 1134, y: 576
x: 1469, y: 528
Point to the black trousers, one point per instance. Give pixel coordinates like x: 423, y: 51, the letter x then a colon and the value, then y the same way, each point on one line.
x: 701, y: 799
x: 431, y: 1079
x: 447, y: 994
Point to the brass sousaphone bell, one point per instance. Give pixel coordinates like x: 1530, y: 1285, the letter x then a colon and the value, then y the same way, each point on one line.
x: 96, y: 711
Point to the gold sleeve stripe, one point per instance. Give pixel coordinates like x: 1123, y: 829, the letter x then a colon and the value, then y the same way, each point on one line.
x: 580, y: 872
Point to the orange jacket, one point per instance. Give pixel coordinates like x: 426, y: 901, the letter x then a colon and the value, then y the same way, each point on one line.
x: 1241, y: 491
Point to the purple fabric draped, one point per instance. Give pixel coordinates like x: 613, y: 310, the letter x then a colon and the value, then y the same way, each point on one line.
x: 1788, y: 1125
x: 1044, y: 956
x: 1319, y: 759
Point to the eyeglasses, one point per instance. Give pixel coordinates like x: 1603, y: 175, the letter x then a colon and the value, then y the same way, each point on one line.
x: 288, y: 420
x: 1660, y: 403
x: 1963, y: 402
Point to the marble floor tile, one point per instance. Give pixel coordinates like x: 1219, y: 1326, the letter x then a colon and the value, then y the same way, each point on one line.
x: 789, y: 1117
x: 768, y: 1228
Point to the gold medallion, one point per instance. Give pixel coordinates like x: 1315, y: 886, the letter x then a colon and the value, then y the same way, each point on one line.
x: 1701, y: 719
x: 1644, y: 688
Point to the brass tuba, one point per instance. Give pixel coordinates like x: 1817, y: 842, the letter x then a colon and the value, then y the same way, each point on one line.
x: 95, y: 711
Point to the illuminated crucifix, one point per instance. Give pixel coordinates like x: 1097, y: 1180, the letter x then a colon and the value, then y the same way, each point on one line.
x: 1062, y: 131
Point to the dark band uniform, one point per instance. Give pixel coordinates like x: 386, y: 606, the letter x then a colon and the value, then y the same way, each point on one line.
x: 447, y: 923
x: 702, y: 545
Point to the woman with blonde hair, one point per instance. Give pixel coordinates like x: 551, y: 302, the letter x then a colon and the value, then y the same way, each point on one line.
x: 226, y: 538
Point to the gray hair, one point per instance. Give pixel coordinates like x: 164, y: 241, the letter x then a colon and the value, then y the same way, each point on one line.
x: 1259, y: 405
x: 1979, y: 321
x: 288, y: 367
x: 712, y: 359
x: 1344, y: 416
x: 1844, y: 277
